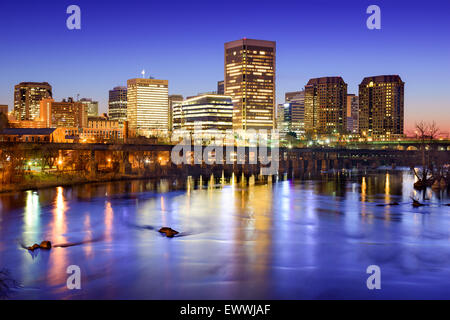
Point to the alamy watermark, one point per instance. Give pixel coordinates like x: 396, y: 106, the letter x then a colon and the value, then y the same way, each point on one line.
x: 374, y: 20
x: 229, y: 147
x: 73, y: 22
x: 74, y: 280
x: 374, y: 280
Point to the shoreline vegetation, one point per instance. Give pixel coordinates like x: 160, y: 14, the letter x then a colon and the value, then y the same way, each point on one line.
x: 48, y: 180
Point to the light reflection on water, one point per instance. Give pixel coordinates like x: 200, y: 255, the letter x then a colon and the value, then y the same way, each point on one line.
x: 302, y: 239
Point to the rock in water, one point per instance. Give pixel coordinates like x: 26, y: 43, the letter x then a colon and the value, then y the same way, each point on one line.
x: 47, y: 245
x: 388, y: 204
x: 33, y: 247
x: 416, y: 204
x: 169, y: 232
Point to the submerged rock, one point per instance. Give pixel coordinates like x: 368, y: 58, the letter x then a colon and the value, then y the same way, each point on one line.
x: 417, y: 204
x: 388, y: 204
x: 33, y: 247
x: 47, y: 245
x: 169, y: 232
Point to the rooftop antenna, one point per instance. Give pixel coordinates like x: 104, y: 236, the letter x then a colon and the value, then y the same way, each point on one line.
x: 143, y: 73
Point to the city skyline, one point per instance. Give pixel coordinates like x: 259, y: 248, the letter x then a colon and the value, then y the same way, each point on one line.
x: 86, y: 63
x: 217, y: 158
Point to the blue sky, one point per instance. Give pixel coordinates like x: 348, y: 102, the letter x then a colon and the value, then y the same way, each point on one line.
x: 182, y: 41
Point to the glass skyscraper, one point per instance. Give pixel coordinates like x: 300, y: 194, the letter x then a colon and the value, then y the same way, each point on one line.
x: 27, y: 98
x: 381, y: 105
x: 148, y: 105
x: 250, y: 81
x: 117, y: 104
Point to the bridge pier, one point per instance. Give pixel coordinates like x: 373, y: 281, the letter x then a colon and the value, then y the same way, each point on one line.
x: 92, y: 165
x: 125, y: 165
x: 324, y: 165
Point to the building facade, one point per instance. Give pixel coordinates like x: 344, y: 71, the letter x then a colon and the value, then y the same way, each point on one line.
x: 102, y: 129
x: 91, y: 107
x: 210, y: 112
x: 173, y: 100
x: 250, y: 82
x: 221, y: 87
x: 27, y: 98
x: 280, y: 124
x: 33, y: 135
x: 352, y: 113
x: 117, y: 104
x: 4, y: 108
x: 294, y: 109
x: 381, y: 105
x: 326, y: 106
x: 66, y: 113
x: 37, y: 123
x: 148, y: 105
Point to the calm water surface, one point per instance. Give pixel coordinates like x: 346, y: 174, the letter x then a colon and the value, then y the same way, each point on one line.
x: 287, y: 240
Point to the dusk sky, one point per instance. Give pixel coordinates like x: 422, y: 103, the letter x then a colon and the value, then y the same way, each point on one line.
x: 182, y: 41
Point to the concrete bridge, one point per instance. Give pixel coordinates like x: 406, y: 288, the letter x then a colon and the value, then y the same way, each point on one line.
x: 154, y: 159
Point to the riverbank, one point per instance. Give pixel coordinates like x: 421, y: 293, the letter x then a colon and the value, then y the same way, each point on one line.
x: 44, y: 181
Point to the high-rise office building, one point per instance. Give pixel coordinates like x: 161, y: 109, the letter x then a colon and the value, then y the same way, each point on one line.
x: 250, y: 81
x: 381, y: 106
x: 280, y: 125
x: 352, y: 113
x: 173, y: 99
x: 326, y: 106
x: 210, y: 112
x: 27, y: 96
x: 294, y: 109
x: 117, y: 104
x: 67, y: 113
x: 4, y: 108
x: 148, y: 105
x: 221, y: 87
x: 91, y: 107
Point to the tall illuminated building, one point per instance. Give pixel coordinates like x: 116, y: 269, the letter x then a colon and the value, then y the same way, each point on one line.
x: 221, y: 87
x: 4, y: 108
x: 294, y: 109
x: 352, y: 113
x: 66, y: 114
x: 148, y: 105
x: 117, y: 104
x: 210, y: 112
x: 381, y: 105
x: 91, y: 107
x: 173, y: 100
x: 27, y: 97
x: 326, y: 106
x: 250, y: 82
x: 279, y: 118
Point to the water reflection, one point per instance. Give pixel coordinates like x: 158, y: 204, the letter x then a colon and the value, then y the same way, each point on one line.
x: 109, y: 217
x: 31, y: 216
x: 57, y: 234
x: 239, y: 238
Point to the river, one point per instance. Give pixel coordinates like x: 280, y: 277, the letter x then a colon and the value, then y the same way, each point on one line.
x: 309, y: 239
